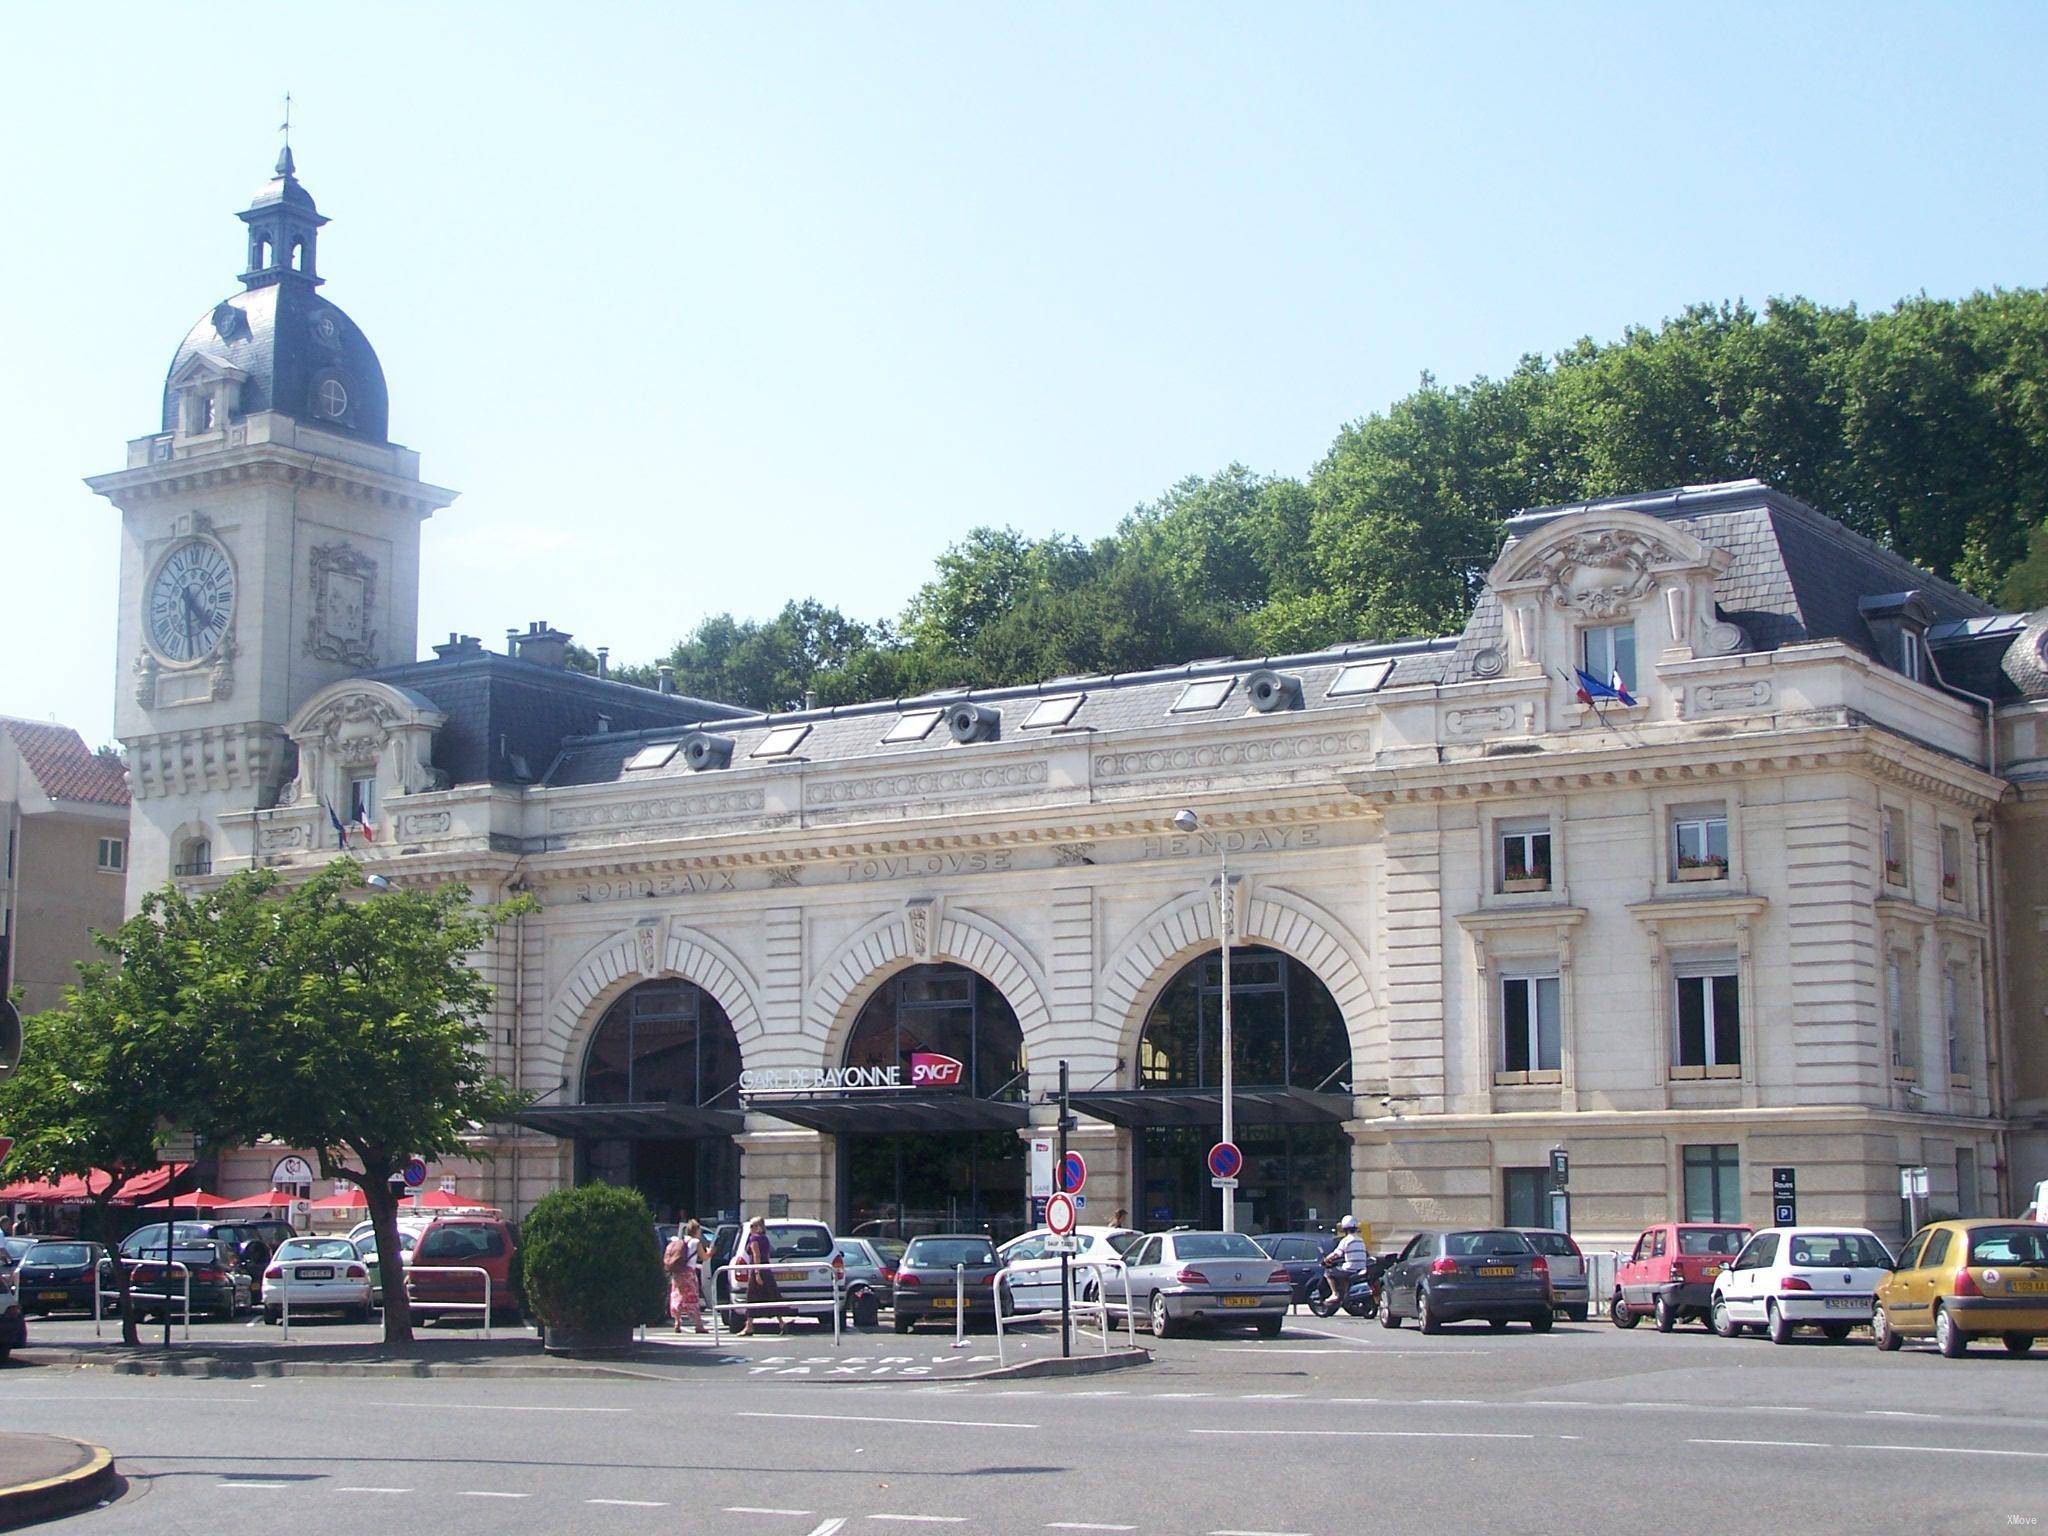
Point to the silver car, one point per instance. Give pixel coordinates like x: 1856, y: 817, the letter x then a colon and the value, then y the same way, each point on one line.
x: 1178, y: 1278
x: 1567, y: 1269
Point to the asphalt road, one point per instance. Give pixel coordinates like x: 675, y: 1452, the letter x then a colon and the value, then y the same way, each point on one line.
x: 1329, y: 1430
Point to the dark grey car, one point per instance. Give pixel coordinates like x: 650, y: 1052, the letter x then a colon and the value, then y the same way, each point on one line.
x: 1488, y: 1272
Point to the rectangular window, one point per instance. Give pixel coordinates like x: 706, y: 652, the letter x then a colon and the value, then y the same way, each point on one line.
x: 1529, y: 1024
x: 1952, y: 1018
x: 113, y: 854
x: 1610, y: 651
x: 1699, y: 843
x: 1713, y: 1183
x: 655, y: 756
x: 1898, y: 1006
x: 914, y: 726
x: 1524, y: 856
x: 1360, y: 677
x: 1709, y: 1025
x: 1951, y: 864
x: 362, y: 798
x: 1203, y: 695
x: 1893, y: 836
x: 781, y: 741
x: 1054, y: 711
x: 1966, y: 1182
x: 1525, y: 1197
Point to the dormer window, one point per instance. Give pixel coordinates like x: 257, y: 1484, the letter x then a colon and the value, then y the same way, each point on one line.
x: 1898, y: 622
x: 330, y: 399
x: 1608, y: 653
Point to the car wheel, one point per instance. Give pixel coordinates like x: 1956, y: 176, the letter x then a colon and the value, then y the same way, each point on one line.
x: 272, y: 1314
x: 1576, y: 1314
x: 1497, y: 1324
x: 1162, y: 1324
x: 1269, y: 1328
x: 902, y: 1323
x: 1425, y: 1319
x: 1620, y: 1313
x: 1777, y: 1325
x: 1948, y: 1337
x: 1723, y: 1324
x: 1665, y: 1313
x: 1541, y: 1322
x: 1389, y: 1318
x: 2018, y: 1343
x: 1882, y: 1333
x: 1836, y: 1332
x: 361, y: 1314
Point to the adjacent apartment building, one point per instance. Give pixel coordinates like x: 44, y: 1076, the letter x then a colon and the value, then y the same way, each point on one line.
x: 65, y: 813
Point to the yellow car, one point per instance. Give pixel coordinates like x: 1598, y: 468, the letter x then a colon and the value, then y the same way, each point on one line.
x: 1960, y: 1280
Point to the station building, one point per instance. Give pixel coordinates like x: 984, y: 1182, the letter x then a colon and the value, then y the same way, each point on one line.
x: 1780, y: 909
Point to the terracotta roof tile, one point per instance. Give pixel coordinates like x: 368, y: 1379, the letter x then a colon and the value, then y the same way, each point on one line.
x: 66, y: 768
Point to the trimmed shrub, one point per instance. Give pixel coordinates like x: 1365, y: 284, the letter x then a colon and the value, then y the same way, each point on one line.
x: 589, y: 1260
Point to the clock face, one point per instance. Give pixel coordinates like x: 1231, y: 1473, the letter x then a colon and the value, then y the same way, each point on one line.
x: 190, y: 601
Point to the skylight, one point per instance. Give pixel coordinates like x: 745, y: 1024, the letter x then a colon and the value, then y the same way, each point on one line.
x: 914, y: 726
x: 652, y: 757
x: 1360, y: 677
x: 1054, y: 711
x: 1206, y: 694
x: 781, y: 741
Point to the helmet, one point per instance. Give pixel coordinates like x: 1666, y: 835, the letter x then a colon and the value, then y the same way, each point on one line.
x: 1347, y: 1224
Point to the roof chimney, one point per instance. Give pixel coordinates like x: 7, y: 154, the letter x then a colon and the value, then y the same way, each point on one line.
x: 667, y: 678
x: 459, y: 645
x: 544, y: 646
x: 604, y: 661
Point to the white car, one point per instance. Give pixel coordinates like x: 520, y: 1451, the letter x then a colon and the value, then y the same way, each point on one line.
x: 1800, y: 1277
x: 316, y: 1274
x: 1031, y: 1276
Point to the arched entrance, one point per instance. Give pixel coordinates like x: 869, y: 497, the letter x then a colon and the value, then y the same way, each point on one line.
x: 658, y: 1101
x: 1291, y: 1093
x: 904, y: 1171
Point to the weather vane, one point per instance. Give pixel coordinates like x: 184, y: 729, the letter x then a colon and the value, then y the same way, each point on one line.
x: 285, y: 127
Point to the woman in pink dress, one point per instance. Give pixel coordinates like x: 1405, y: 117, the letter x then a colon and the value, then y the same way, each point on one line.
x: 682, y: 1260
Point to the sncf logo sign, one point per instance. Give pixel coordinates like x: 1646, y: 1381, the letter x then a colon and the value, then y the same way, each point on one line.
x: 928, y: 1069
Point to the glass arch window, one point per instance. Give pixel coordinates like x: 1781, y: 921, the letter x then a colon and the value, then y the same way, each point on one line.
x: 1286, y: 1029
x: 947, y: 1009
x: 664, y: 1042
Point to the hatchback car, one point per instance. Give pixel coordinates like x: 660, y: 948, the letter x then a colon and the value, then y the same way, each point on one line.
x: 1490, y: 1273
x: 1800, y: 1277
x: 1964, y: 1280
x: 435, y: 1280
x: 1179, y: 1278
x: 1031, y: 1275
x: 805, y: 1253
x: 58, y: 1275
x: 1569, y: 1287
x: 316, y: 1274
x: 945, y: 1277
x: 219, y: 1285
x: 1300, y: 1254
x: 1670, y: 1274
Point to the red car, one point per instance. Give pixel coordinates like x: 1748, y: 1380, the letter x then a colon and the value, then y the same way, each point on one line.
x: 453, y: 1244
x: 1670, y: 1275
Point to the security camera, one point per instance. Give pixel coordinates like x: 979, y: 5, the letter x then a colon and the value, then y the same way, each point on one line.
x: 1184, y: 821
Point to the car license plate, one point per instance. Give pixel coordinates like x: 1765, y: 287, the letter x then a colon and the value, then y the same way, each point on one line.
x: 1847, y: 1304
x: 942, y: 1303
x: 1496, y: 1269
x: 2029, y: 1287
x: 1708, y: 1271
x: 316, y: 1272
x: 1240, y: 1301
x: 49, y: 1296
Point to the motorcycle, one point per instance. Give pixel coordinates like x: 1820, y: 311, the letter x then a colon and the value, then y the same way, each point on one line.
x: 1361, y: 1291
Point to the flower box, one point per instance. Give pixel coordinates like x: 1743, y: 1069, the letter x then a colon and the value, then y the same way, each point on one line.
x: 1517, y: 884
x: 1712, y: 869
x: 1952, y: 887
x: 1895, y: 872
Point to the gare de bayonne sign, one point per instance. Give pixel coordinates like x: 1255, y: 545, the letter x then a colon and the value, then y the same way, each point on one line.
x: 928, y: 1069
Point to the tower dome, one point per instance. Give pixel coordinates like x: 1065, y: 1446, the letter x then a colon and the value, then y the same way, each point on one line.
x: 288, y: 349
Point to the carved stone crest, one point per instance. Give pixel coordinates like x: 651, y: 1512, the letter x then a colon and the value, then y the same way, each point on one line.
x: 355, y: 727
x: 342, y: 626
x: 782, y: 877
x: 647, y: 940
x: 1601, y: 574
x: 1067, y: 855
x: 920, y: 927
x: 145, y: 680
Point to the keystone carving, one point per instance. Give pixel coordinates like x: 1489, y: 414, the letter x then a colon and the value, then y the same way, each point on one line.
x: 1601, y: 575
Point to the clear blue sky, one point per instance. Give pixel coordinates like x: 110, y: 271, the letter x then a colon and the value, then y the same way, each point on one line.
x: 706, y: 307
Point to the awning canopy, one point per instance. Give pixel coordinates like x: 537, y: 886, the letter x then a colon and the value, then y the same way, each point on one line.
x: 633, y: 1122
x: 1140, y: 1107
x: 71, y: 1187
x: 885, y: 1113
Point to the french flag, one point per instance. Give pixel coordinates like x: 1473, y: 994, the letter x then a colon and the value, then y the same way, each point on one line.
x: 1591, y: 688
x: 362, y: 825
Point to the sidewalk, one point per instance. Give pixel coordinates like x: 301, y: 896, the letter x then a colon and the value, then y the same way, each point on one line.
x: 42, y: 1476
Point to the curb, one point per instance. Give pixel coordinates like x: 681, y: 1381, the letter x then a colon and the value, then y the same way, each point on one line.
x: 68, y: 1492
x: 1077, y: 1365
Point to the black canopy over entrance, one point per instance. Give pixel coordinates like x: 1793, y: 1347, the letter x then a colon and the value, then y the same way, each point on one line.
x: 633, y: 1122
x: 885, y: 1113
x: 1145, y: 1107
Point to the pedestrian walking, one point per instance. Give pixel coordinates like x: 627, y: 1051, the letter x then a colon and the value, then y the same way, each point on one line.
x: 762, y: 1291
x: 684, y: 1261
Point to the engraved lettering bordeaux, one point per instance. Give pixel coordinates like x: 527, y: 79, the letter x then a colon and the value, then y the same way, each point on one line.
x: 710, y: 884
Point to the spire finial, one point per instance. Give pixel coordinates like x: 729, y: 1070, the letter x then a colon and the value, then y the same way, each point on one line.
x: 284, y: 159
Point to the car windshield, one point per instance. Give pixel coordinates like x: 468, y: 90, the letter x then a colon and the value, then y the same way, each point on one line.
x: 153, y: 1235
x: 58, y: 1253
x: 17, y: 1246
x: 1216, y: 1245
x: 1700, y: 1240
x: 1555, y: 1244
x: 945, y: 1252
x: 1839, y: 1250
x: 460, y: 1243
x: 800, y: 1242
x: 192, y: 1258
x: 1465, y: 1245
x: 2024, y: 1244
x: 317, y: 1248
x: 890, y: 1250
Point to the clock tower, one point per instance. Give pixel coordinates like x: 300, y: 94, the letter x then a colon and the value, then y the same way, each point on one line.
x: 270, y: 542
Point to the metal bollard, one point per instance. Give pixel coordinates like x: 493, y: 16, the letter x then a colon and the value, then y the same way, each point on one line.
x: 959, y: 1306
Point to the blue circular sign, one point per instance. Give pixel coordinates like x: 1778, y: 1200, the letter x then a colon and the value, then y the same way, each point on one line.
x: 415, y: 1173
x: 1225, y: 1161
x: 1073, y: 1174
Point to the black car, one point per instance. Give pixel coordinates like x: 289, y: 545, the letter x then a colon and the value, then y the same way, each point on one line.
x: 220, y: 1287
x: 1300, y: 1254
x: 945, y: 1277
x: 1445, y: 1277
x: 57, y: 1275
x: 254, y: 1241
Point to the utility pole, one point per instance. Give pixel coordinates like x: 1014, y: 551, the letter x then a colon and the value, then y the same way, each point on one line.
x: 1059, y: 1180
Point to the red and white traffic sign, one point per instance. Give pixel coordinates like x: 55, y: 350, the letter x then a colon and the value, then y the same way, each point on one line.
x: 1073, y: 1174
x: 1060, y: 1215
x: 1225, y: 1161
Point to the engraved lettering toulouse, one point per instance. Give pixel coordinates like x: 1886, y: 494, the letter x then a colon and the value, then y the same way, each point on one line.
x: 905, y: 866
x: 1255, y: 840
x: 667, y: 885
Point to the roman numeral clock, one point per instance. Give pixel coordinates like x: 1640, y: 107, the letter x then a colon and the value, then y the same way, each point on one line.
x: 189, y: 602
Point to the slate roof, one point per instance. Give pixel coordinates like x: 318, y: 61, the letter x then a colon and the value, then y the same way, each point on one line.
x: 65, y: 767
x: 281, y: 349
x: 508, y: 717
x: 2003, y: 657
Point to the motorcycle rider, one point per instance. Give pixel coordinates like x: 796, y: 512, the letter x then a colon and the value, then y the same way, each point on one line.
x: 1349, y: 1261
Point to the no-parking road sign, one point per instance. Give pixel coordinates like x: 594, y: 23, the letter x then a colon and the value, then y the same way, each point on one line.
x: 1225, y: 1161
x: 1073, y: 1174
x: 1059, y: 1215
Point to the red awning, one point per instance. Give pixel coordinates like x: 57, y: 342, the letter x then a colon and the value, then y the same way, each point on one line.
x: 269, y: 1200
x: 71, y: 1187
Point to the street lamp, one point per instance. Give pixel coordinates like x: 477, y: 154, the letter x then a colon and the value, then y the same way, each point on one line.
x: 1187, y: 821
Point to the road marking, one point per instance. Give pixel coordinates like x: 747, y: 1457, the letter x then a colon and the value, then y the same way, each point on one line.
x: 1266, y: 1397
x: 1897, y: 1413
x: 630, y: 1503
x: 868, y: 1418
x: 1795, y: 1445
x: 828, y: 1527
x: 756, y: 1509
x: 1375, y: 1434
x: 1950, y: 1450
x: 486, y: 1493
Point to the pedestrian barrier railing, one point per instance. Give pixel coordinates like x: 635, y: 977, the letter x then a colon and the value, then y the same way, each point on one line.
x: 134, y: 1295
x: 736, y: 1274
x: 436, y: 1304
x: 290, y: 1271
x: 1078, y: 1307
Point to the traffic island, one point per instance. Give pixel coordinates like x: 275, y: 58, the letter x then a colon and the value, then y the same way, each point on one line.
x: 43, y: 1476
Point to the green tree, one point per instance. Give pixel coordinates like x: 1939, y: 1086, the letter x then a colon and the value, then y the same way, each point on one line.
x: 351, y: 1025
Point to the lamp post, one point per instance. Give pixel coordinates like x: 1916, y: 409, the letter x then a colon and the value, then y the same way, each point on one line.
x: 1187, y: 821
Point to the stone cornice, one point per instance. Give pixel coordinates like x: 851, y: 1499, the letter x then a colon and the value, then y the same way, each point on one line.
x: 1514, y: 919
x: 269, y: 461
x: 1786, y: 1117
x: 1664, y: 909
